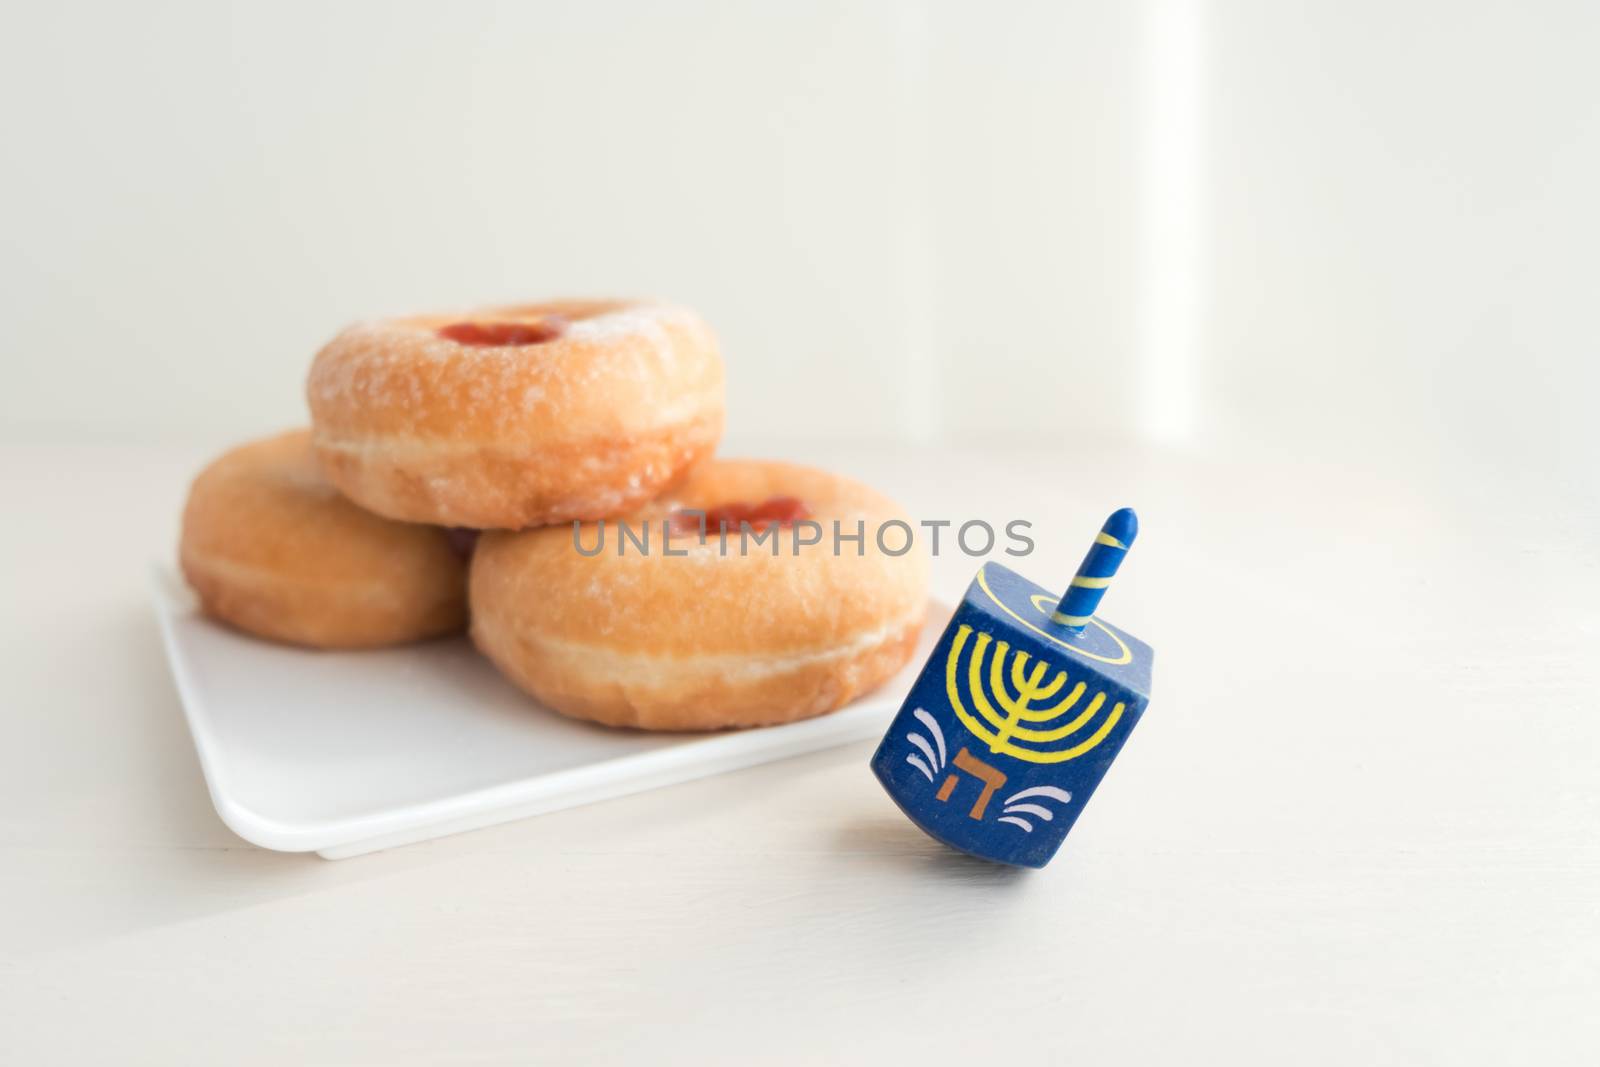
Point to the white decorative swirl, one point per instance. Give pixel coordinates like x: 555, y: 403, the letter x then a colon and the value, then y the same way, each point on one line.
x: 933, y: 728
x: 1029, y: 809
x: 1040, y: 791
x: 1015, y: 810
x: 936, y: 760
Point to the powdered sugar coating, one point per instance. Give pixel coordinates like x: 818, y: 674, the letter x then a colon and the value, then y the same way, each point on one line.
x: 702, y: 640
x: 404, y: 365
x: 624, y: 397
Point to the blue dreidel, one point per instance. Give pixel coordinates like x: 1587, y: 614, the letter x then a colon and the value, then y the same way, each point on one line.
x: 1019, y: 711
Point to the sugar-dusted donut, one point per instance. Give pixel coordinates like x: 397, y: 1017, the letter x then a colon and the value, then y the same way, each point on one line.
x: 273, y: 549
x: 726, y: 634
x: 516, y: 416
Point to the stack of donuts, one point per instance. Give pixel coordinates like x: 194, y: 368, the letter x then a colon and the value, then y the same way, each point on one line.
x: 493, y: 470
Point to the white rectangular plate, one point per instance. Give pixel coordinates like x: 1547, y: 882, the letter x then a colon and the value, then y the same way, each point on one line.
x: 342, y: 753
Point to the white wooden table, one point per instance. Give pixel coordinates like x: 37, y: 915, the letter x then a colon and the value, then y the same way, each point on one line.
x: 1359, y: 824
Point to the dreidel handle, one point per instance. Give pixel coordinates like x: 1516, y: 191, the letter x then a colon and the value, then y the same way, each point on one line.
x: 1094, y: 575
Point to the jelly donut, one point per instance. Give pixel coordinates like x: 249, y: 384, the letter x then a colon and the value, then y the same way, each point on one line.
x: 701, y: 633
x: 273, y: 549
x: 516, y: 416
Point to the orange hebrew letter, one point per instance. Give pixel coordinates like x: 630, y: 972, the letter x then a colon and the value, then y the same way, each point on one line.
x: 991, y: 777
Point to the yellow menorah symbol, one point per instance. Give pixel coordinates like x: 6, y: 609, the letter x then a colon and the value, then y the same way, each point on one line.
x: 1006, y: 728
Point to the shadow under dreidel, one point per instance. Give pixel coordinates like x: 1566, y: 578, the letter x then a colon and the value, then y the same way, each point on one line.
x: 891, y: 838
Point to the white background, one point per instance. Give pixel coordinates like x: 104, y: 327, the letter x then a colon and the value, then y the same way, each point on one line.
x: 1313, y: 285
x: 1033, y: 222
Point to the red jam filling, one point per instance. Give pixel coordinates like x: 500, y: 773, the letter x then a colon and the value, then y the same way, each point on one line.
x: 505, y: 334
x: 774, y: 511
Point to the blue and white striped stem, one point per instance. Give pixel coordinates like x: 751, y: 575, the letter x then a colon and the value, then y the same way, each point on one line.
x: 1096, y: 570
